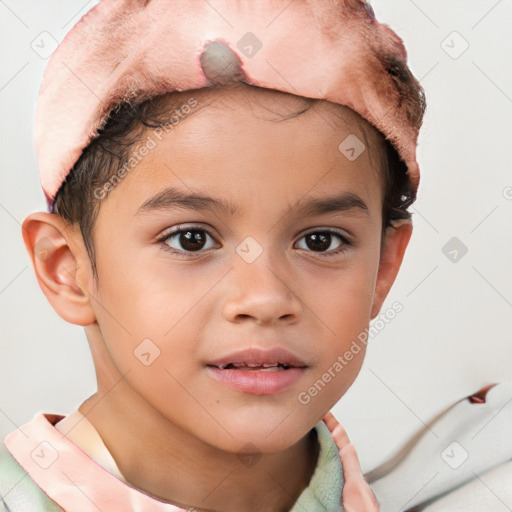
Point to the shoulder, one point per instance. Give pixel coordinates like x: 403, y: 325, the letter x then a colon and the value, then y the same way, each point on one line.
x: 457, y: 455
x: 490, y: 491
x: 18, y: 492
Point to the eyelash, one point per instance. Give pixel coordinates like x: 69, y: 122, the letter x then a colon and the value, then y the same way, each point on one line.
x: 346, y: 244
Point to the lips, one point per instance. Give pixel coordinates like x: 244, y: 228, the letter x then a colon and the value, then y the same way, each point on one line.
x: 254, y: 359
x: 258, y: 372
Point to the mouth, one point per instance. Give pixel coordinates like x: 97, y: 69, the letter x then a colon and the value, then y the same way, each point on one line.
x: 258, y: 372
x: 256, y: 367
x: 255, y: 359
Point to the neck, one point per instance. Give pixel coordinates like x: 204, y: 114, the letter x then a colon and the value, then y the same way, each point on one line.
x: 161, y: 459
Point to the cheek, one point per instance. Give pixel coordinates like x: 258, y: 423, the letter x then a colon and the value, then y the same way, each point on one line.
x: 134, y: 289
x: 150, y: 336
x: 342, y: 304
x: 343, y: 299
x: 145, y: 306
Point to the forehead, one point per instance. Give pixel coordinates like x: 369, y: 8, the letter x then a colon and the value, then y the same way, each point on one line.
x: 241, y: 141
x: 274, y: 106
x: 238, y: 99
x: 227, y: 110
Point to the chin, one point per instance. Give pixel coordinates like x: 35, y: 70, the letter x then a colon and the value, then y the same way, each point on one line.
x: 263, y: 433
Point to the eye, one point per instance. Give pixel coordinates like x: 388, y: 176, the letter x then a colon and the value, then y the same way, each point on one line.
x: 186, y: 240
x: 194, y: 239
x: 321, y: 241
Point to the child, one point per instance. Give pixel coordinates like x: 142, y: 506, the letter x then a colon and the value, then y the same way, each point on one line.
x: 279, y: 140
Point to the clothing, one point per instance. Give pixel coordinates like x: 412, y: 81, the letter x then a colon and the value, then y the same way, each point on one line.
x: 64, y: 476
x: 459, y: 462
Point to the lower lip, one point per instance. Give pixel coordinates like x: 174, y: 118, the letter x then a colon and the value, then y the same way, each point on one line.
x: 257, y: 382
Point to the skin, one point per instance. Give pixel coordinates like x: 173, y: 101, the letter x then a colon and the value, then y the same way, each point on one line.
x: 174, y: 431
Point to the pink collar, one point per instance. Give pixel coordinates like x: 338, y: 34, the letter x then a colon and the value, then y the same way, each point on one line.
x: 39, y: 445
x: 107, y: 493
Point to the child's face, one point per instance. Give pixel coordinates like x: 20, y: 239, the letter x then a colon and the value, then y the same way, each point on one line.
x: 254, y: 280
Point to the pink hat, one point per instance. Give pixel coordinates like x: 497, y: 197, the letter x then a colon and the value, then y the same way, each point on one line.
x: 134, y: 49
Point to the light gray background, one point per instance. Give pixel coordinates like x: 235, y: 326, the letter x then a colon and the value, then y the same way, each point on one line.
x: 453, y: 335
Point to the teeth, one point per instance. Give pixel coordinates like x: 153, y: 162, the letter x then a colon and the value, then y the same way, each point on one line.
x: 252, y: 365
x: 265, y: 366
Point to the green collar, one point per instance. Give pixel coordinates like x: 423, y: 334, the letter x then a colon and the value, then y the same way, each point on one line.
x: 323, y: 494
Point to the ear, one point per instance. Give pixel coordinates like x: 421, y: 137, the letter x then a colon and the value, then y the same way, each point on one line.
x: 61, y: 265
x: 393, y: 247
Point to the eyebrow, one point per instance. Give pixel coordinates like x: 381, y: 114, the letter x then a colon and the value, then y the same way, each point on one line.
x: 172, y: 197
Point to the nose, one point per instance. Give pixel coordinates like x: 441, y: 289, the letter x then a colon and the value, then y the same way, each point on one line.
x: 261, y: 292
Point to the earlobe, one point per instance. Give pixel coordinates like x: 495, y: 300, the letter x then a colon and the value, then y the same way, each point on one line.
x: 58, y: 261
x: 393, y: 249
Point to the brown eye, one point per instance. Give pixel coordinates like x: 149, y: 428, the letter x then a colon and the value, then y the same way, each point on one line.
x: 191, y: 240
x: 321, y: 241
x: 187, y: 240
x: 318, y: 241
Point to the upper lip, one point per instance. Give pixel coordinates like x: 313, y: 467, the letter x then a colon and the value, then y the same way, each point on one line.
x: 260, y: 356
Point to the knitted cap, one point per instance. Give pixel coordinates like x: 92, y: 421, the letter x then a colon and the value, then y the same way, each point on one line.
x: 131, y: 50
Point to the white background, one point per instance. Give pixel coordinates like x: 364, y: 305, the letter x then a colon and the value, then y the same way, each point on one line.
x: 453, y: 335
